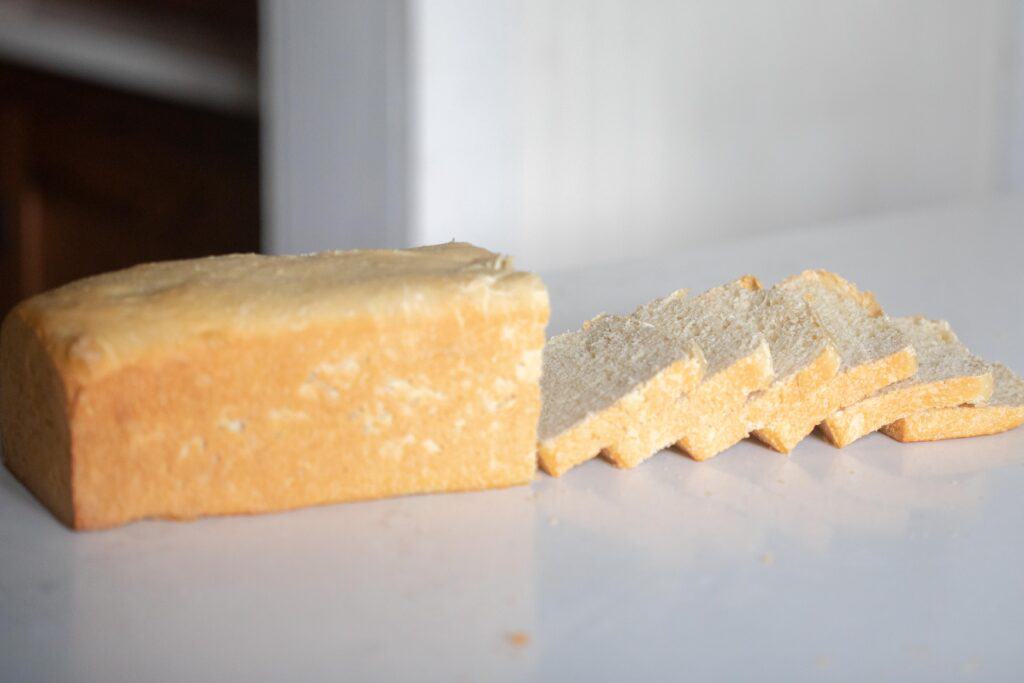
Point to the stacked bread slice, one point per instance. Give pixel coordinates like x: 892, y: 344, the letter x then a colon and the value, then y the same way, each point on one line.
x: 723, y: 323
x: 947, y: 375
x: 1004, y: 410
x: 705, y: 372
x: 874, y: 352
x: 612, y: 387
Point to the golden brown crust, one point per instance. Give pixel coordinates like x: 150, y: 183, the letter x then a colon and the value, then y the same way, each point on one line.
x: 955, y: 423
x: 712, y: 417
x: 631, y: 430
x: 845, y: 389
x: 846, y: 426
x: 350, y: 404
x: 1003, y: 411
x: 99, y: 324
x: 750, y: 282
x: 787, y: 412
x: 33, y: 418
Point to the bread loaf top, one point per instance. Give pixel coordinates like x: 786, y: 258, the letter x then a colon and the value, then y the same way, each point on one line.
x: 100, y: 323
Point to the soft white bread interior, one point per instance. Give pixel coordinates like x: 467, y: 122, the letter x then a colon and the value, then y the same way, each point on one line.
x: 612, y: 387
x: 722, y: 321
x: 947, y: 375
x: 1002, y: 412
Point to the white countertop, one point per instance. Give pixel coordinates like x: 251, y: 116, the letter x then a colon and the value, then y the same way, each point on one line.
x: 879, y: 561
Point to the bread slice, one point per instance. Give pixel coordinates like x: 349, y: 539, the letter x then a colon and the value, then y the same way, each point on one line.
x: 1002, y: 412
x: 612, y: 387
x: 804, y: 359
x: 947, y: 375
x: 874, y: 353
x: 722, y: 322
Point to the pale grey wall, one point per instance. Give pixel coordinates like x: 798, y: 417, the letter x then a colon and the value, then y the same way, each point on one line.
x: 584, y: 131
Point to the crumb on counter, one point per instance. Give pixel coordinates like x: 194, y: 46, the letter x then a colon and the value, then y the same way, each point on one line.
x: 518, y: 639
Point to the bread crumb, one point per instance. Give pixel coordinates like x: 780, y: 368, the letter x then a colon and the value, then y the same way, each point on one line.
x: 552, y: 521
x: 518, y: 639
x: 767, y: 559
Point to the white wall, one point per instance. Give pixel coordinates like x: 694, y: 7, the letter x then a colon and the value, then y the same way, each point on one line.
x: 588, y: 130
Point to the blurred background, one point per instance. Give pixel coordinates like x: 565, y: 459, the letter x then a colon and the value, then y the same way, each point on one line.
x: 564, y: 132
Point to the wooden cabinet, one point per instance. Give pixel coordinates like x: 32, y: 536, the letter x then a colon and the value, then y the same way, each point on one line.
x: 93, y: 179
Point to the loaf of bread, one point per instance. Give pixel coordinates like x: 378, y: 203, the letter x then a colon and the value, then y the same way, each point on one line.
x: 874, y: 352
x: 246, y: 383
x: 612, y: 387
x: 722, y: 322
x: 947, y: 375
x: 1000, y: 413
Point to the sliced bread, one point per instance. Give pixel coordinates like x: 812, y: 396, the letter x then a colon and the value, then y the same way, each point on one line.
x: 874, y: 353
x: 804, y: 359
x: 1002, y: 412
x: 947, y: 375
x: 721, y: 321
x: 612, y: 387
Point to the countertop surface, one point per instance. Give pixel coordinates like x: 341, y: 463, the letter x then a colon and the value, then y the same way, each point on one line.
x: 878, y: 561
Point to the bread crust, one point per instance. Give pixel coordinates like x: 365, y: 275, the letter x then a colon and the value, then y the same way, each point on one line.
x: 785, y: 413
x: 847, y: 425
x: 845, y: 389
x: 34, y: 406
x: 713, y: 417
x: 955, y: 423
